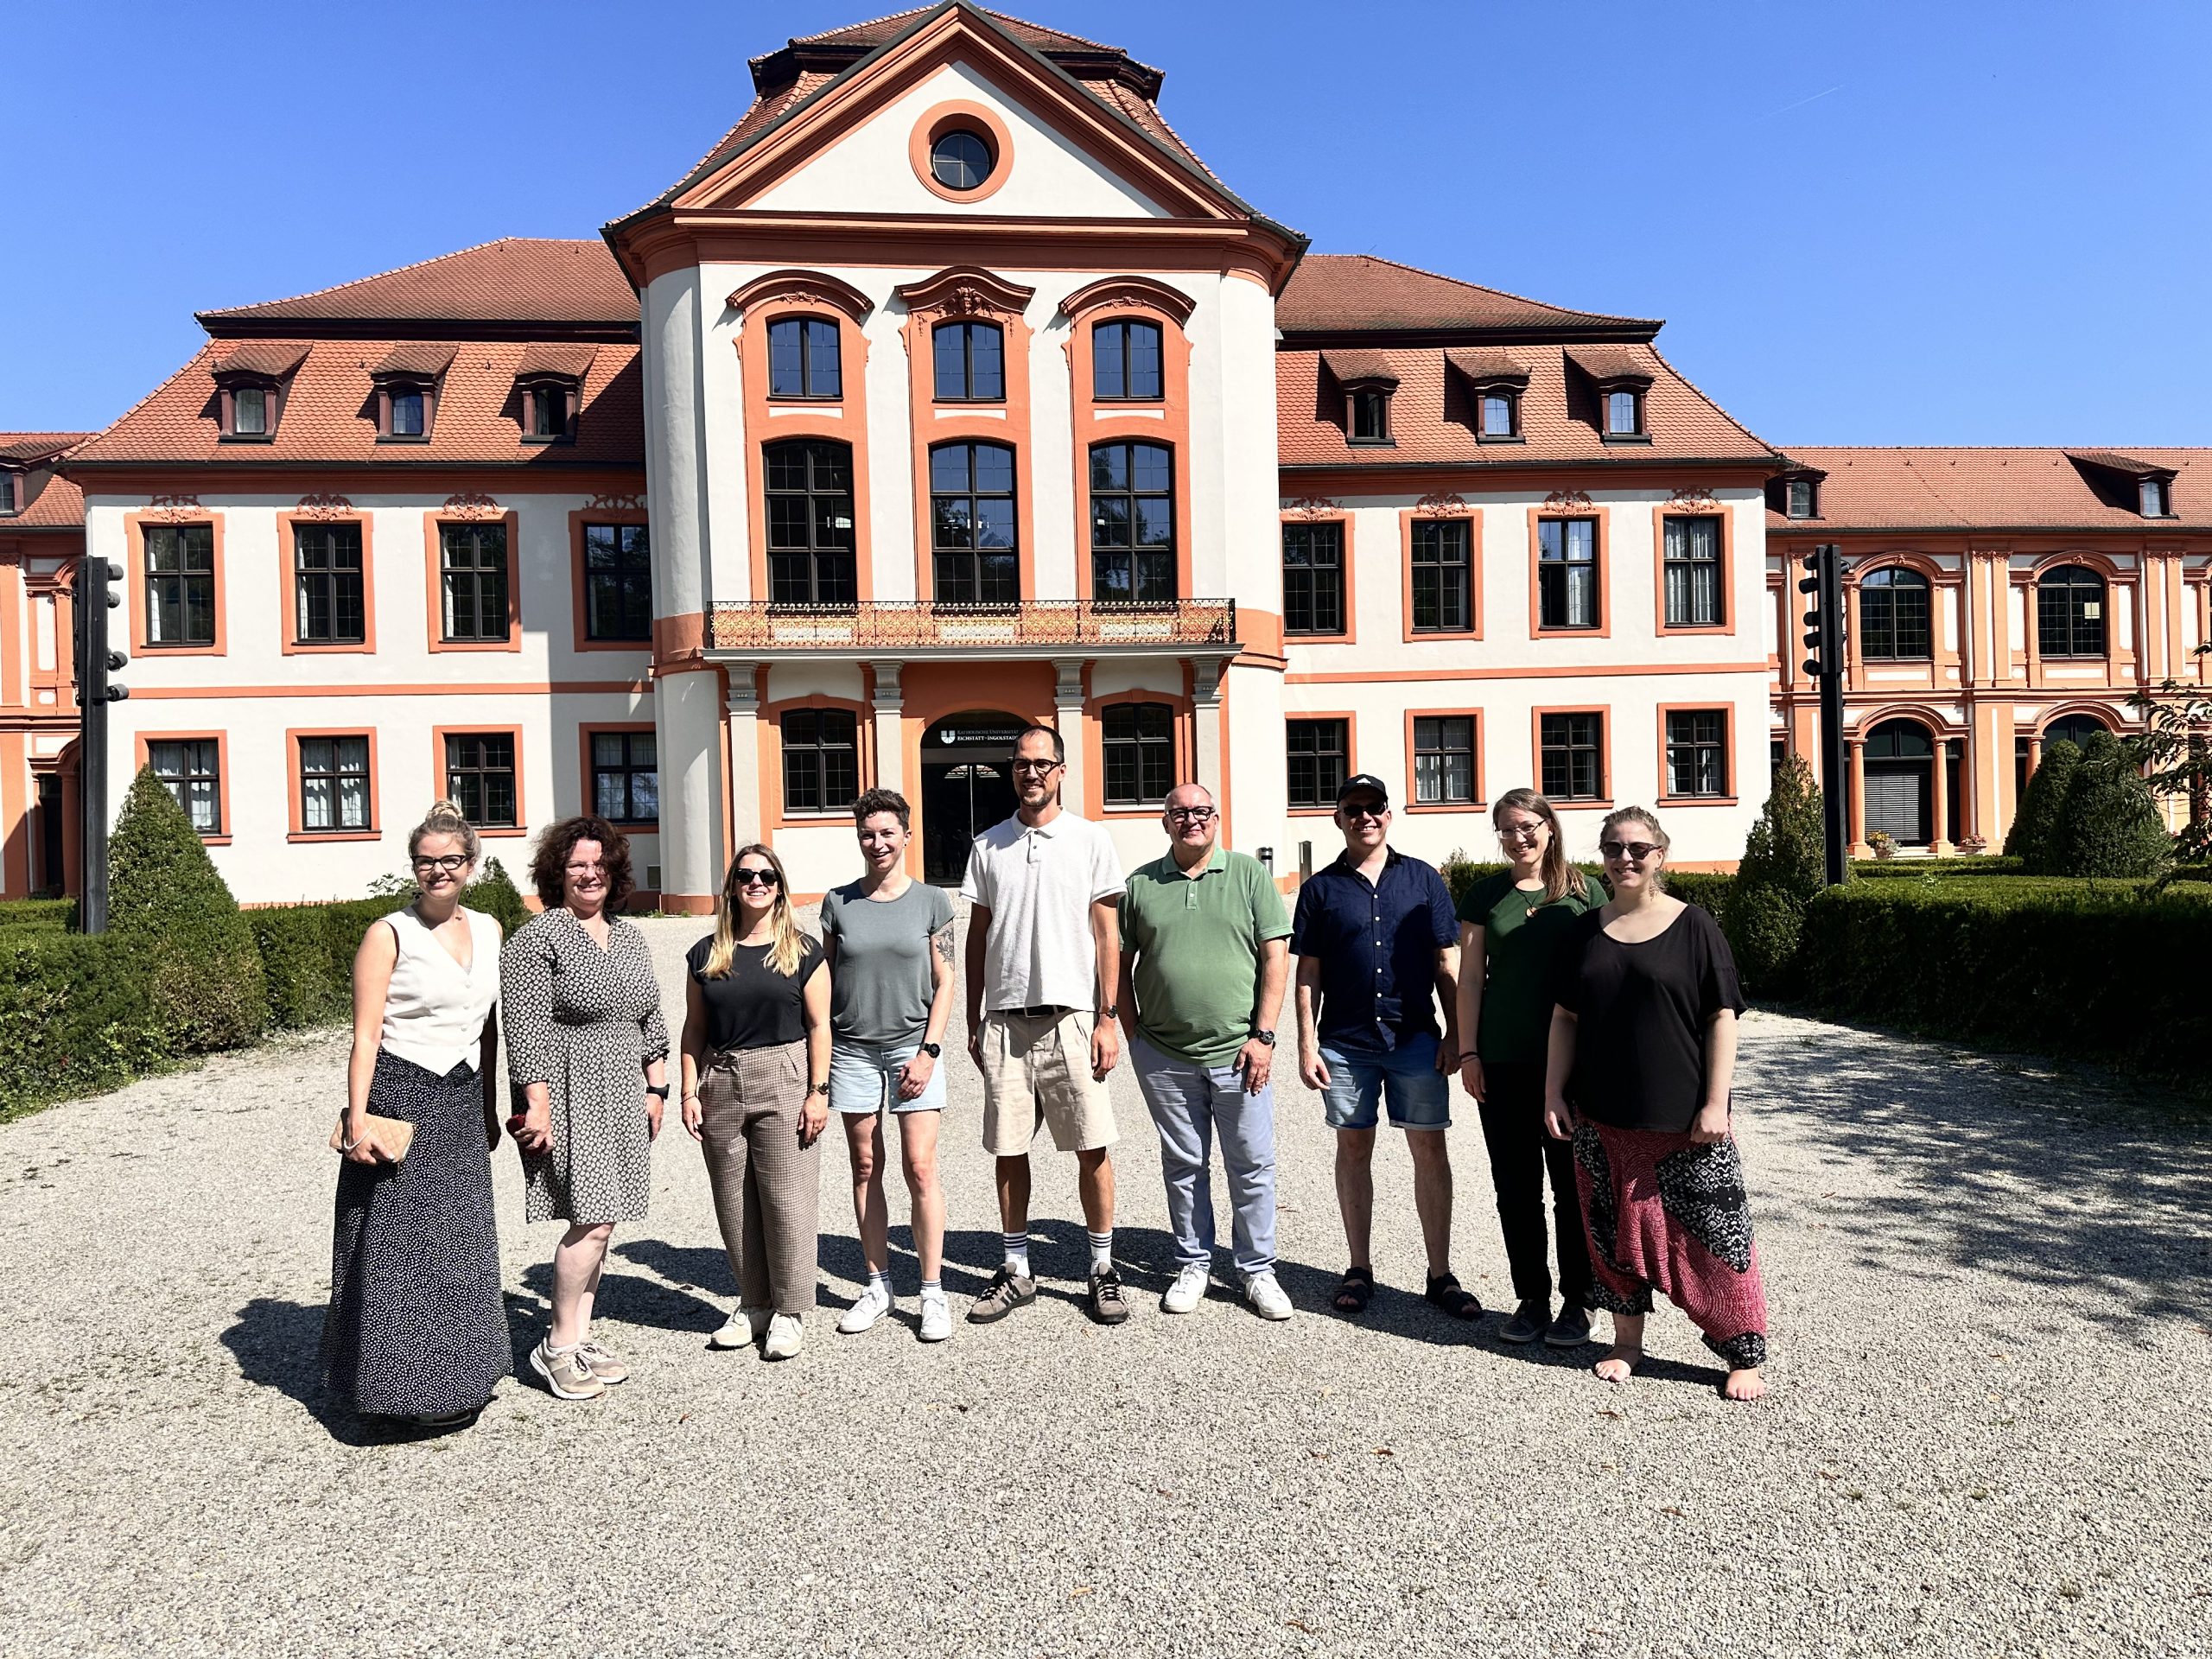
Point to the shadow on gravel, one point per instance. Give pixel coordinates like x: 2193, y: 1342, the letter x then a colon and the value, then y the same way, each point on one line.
x: 278, y: 1344
x: 632, y: 1299
x: 1989, y: 1164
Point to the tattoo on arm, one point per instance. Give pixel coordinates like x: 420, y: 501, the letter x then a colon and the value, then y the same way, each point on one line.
x: 943, y: 939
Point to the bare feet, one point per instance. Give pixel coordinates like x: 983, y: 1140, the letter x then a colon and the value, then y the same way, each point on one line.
x: 1619, y: 1363
x: 1745, y: 1384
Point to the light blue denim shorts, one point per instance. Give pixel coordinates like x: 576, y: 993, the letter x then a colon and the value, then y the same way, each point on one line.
x: 1405, y: 1080
x: 864, y: 1078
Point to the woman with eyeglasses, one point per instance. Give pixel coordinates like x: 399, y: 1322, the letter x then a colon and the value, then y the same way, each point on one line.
x: 1642, y: 1054
x: 1511, y: 927
x: 756, y: 1096
x: 587, y: 1062
x: 416, y: 1328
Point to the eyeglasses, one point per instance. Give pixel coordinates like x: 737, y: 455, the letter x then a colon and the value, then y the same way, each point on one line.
x: 1354, y: 811
x: 1191, y: 814
x: 585, y: 869
x: 751, y: 878
x: 1634, y: 851
x: 1041, y: 768
x: 451, y: 863
x: 1521, y: 832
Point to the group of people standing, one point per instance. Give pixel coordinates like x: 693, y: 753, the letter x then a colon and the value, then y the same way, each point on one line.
x: 1598, y: 1043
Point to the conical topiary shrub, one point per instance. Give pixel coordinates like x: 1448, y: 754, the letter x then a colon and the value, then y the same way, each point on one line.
x: 2033, y: 838
x: 2110, y: 824
x: 164, y: 896
x: 1784, y: 864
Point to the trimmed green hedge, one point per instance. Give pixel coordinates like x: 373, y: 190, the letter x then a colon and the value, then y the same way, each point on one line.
x: 2095, y: 970
x: 38, y: 915
x: 1983, y: 865
x: 75, y: 1017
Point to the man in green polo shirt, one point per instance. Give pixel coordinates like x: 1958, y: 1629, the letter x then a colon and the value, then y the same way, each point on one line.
x: 1203, y: 963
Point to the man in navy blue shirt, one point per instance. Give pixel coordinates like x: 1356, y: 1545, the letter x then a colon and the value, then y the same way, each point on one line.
x: 1377, y: 947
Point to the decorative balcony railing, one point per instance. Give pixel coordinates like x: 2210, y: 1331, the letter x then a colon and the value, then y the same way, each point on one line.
x: 922, y: 625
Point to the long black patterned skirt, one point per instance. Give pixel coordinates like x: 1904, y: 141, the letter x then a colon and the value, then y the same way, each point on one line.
x: 416, y: 1326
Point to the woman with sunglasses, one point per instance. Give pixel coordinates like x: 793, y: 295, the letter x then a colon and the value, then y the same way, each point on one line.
x: 1511, y: 927
x: 756, y: 1096
x: 1643, y: 1053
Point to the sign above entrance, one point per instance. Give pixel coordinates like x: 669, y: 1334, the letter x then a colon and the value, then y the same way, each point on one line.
x: 978, y: 737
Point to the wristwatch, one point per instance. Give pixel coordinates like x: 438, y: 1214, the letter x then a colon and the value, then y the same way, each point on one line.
x: 1111, y: 1011
x: 934, y: 1050
x: 822, y: 1088
x: 1262, y: 1035
x: 659, y: 1088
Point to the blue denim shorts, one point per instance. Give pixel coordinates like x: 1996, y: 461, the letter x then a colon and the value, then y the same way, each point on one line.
x: 1405, y: 1079
x: 864, y: 1078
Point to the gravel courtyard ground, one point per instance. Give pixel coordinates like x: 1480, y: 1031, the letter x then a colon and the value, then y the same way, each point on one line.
x: 1987, y: 1433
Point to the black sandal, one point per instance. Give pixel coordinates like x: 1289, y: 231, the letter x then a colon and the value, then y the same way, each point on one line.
x: 1350, y: 1298
x: 1445, y: 1292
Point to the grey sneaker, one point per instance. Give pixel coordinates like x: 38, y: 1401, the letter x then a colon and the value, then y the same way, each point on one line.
x: 604, y: 1365
x: 566, y: 1371
x: 1527, y: 1324
x: 1008, y: 1291
x: 1570, y: 1330
x: 1107, y: 1305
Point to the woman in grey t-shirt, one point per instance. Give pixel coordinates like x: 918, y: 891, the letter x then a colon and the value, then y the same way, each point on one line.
x: 891, y: 992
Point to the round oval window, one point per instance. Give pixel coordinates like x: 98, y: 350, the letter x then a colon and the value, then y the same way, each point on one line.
x: 960, y: 160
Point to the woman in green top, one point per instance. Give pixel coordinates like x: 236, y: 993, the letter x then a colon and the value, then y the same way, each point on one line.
x: 1513, y: 923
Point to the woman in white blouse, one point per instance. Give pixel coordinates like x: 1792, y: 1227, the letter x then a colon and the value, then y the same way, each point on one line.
x: 416, y: 1328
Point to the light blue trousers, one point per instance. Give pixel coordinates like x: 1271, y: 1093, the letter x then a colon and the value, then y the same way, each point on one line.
x: 1188, y: 1104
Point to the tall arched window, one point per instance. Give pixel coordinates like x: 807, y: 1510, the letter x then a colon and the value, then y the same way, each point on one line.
x: 809, y: 485
x: 2073, y: 728
x: 1132, y: 524
x: 1126, y: 361
x: 2070, y: 613
x: 972, y: 537
x: 970, y: 362
x: 1893, y: 616
x: 1898, y: 764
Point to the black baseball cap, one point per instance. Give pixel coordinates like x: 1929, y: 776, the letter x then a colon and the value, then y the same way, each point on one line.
x: 1366, y: 781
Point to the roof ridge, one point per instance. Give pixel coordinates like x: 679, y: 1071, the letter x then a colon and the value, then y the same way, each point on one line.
x: 1484, y: 288
x: 1992, y: 449
x: 397, y: 271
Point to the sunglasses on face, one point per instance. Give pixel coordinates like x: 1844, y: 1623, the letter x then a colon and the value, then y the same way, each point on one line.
x: 1191, y: 814
x: 753, y: 878
x: 1634, y: 852
x: 1355, y: 812
x: 452, y: 863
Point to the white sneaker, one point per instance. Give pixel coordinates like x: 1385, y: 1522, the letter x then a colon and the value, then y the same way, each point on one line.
x: 873, y: 1304
x: 744, y: 1327
x: 937, y: 1318
x: 1268, y: 1299
x: 1187, y: 1292
x: 786, y: 1335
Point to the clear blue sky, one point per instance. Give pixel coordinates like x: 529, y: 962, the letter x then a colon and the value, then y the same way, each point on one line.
x: 1864, y: 224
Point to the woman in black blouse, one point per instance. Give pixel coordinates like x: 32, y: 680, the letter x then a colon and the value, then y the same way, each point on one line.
x: 756, y: 1095
x: 1643, y: 1053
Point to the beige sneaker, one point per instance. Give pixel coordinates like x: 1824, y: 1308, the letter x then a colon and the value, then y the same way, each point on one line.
x: 786, y: 1335
x: 566, y: 1371
x: 604, y: 1365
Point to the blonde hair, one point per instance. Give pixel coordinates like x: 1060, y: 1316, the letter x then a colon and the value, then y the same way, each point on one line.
x: 444, y: 818
x: 788, y: 944
x: 1553, y: 868
x: 1638, y: 815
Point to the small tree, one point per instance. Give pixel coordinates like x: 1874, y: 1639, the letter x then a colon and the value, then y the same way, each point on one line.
x: 2110, y: 825
x: 204, y: 973
x: 2174, y: 750
x: 1784, y: 864
x: 2034, y: 835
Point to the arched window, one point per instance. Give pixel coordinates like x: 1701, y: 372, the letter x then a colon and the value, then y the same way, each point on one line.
x: 973, y: 543
x: 1132, y: 524
x: 1138, y: 744
x: 810, y: 548
x: 2073, y: 728
x: 803, y: 358
x: 1893, y: 616
x: 1125, y: 361
x: 1899, y: 772
x: 2070, y: 613
x: 969, y: 364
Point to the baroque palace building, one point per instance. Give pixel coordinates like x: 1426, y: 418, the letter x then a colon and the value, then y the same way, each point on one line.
x: 951, y: 390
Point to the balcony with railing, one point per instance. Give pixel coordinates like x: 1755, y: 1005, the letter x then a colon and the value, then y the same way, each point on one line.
x: 1040, y: 627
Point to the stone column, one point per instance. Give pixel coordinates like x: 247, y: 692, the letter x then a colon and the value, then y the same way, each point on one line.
x: 748, y: 813
x: 890, y: 731
x: 1939, y: 795
x: 1859, y: 847
x: 1206, y: 704
x: 1067, y: 715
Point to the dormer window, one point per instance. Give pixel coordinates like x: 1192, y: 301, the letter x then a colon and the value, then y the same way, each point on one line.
x: 410, y: 406
x: 549, y: 411
x: 249, y: 412
x: 7, y: 496
x: 2158, y: 498
x: 1370, y: 416
x: 1801, y: 500
x: 1623, y: 413
x: 1619, y: 377
x: 406, y: 379
x: 1501, y: 415
x: 250, y: 380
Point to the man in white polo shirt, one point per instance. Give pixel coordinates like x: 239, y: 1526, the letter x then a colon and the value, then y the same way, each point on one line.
x: 1044, y: 956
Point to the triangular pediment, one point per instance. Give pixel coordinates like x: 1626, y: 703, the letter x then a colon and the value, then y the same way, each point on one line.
x: 849, y: 145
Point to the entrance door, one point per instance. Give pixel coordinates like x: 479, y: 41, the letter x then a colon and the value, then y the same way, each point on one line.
x: 1900, y: 765
x: 50, y: 831
x: 967, y: 786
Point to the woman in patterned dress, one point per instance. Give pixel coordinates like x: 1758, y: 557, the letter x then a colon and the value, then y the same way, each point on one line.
x: 587, y: 1060
x: 1642, y: 1052
x: 416, y: 1327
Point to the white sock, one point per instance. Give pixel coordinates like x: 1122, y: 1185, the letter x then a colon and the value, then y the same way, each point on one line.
x: 1102, y: 1249
x: 1017, y: 1252
x: 933, y: 1288
x: 880, y: 1281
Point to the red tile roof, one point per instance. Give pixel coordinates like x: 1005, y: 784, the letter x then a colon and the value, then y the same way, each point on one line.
x: 1997, y: 489
x: 514, y: 281
x: 1432, y: 416
x: 876, y: 30
x: 47, y: 500
x: 1332, y: 294
x: 36, y: 446
x: 329, y: 414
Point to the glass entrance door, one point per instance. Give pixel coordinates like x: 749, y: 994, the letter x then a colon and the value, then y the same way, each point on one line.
x: 967, y: 786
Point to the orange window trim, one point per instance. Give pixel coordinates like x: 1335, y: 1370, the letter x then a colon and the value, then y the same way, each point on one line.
x: 135, y: 527
x: 1607, y: 783
x: 1350, y: 718
x: 1660, y: 515
x: 1481, y: 800
x: 772, y: 816
x: 587, y: 794
x: 1350, y: 634
x: 841, y: 420
x: 1184, y: 724
x: 295, y: 783
x: 1602, y: 517
x: 434, y: 616
x: 290, y: 644
x: 939, y: 119
x: 143, y: 740
x: 579, y: 583
x: 1727, y: 713
x: 484, y: 729
x: 1407, y: 517
x: 1114, y: 420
